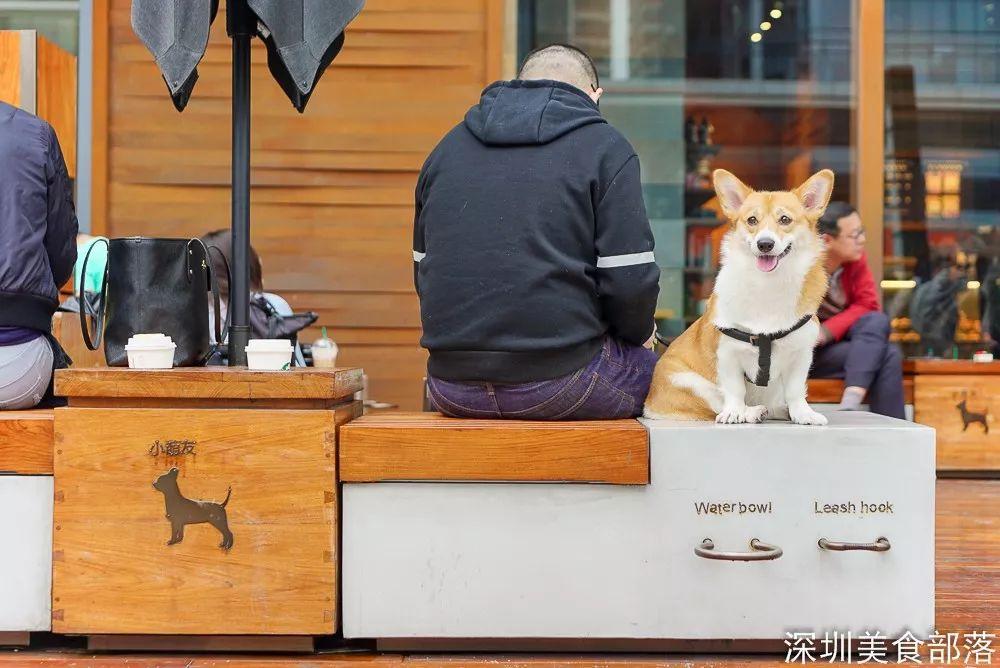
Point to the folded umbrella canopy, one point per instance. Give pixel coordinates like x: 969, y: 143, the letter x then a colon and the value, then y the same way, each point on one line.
x: 176, y: 33
x: 302, y: 37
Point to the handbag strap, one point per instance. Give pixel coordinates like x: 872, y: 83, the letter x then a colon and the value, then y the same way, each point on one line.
x: 213, y: 285
x: 94, y: 332
x: 224, y: 334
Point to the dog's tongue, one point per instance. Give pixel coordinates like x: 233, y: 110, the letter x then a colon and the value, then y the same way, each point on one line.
x: 767, y: 262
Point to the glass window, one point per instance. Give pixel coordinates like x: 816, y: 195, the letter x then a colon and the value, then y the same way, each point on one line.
x: 759, y: 87
x: 942, y: 198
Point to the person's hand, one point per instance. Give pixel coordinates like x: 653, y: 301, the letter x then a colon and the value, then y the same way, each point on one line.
x: 651, y: 341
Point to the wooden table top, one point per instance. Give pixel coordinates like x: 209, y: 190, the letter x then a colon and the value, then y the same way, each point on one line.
x: 952, y: 367
x: 212, y: 382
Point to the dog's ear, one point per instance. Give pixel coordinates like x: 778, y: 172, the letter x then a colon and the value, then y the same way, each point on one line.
x: 731, y: 191
x: 815, y: 192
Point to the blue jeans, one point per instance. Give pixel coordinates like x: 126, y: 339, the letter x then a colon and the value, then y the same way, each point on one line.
x: 613, y: 385
x: 865, y: 358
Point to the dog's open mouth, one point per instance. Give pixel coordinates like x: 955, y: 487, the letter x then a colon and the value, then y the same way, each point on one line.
x: 768, y: 263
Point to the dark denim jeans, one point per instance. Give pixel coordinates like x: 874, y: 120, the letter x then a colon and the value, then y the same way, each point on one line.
x: 865, y: 358
x: 613, y: 385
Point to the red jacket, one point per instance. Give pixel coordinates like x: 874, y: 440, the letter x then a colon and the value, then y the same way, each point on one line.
x: 862, y: 297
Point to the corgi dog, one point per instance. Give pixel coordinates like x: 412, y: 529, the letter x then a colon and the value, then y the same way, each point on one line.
x: 749, y: 355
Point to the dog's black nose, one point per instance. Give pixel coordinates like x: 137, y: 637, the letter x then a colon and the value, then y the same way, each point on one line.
x: 765, y: 245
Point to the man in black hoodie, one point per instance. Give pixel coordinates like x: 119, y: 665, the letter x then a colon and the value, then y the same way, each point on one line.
x: 533, y: 255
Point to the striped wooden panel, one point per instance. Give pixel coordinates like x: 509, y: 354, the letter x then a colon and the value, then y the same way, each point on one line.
x: 10, y: 67
x: 830, y: 390
x: 429, y: 446
x: 56, y: 81
x: 332, y: 197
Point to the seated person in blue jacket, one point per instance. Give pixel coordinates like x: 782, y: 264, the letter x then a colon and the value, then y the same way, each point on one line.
x: 533, y: 255
x: 38, y: 229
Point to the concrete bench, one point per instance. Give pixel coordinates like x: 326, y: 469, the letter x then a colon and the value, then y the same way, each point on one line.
x: 739, y: 533
x: 26, y: 443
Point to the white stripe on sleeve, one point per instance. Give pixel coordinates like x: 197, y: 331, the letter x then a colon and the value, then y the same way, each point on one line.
x: 625, y: 260
x: 418, y: 256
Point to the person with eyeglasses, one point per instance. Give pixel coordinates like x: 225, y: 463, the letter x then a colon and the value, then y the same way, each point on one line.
x: 853, y: 343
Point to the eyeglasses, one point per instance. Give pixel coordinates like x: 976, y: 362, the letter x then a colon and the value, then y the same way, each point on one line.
x: 854, y: 236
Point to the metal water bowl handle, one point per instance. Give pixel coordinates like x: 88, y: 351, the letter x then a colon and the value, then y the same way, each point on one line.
x: 881, y: 544
x: 760, y: 552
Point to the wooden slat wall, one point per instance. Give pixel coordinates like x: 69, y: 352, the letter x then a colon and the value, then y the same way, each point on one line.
x: 54, y: 71
x: 332, y: 197
x: 10, y: 67
x: 56, y: 84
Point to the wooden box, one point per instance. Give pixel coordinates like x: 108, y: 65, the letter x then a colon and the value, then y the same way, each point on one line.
x: 452, y: 561
x: 961, y: 400
x: 194, y: 519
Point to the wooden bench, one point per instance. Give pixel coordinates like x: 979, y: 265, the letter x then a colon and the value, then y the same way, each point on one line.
x: 26, y: 439
x: 829, y: 390
x: 429, y: 446
x: 448, y: 539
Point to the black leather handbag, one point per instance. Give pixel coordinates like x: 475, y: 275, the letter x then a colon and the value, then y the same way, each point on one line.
x: 153, y: 286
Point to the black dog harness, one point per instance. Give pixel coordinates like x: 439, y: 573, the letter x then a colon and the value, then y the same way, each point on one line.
x: 763, y: 343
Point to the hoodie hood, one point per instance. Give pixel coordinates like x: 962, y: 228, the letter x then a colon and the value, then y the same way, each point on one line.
x: 519, y: 112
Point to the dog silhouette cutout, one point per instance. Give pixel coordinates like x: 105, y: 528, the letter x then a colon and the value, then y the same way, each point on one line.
x: 182, y: 511
x: 968, y: 417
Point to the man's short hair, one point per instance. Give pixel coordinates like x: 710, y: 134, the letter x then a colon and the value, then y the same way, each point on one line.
x: 561, y: 62
x: 828, y: 222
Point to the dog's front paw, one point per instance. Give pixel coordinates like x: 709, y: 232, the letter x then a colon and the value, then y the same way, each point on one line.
x: 806, y: 416
x: 741, y: 414
x: 756, y: 413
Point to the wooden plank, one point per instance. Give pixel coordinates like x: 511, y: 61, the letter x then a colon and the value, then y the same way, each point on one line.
x: 208, y: 383
x: 830, y: 390
x: 868, y: 126
x: 429, y: 446
x: 174, y: 402
x: 57, y: 85
x: 66, y: 330
x: 956, y: 367
x: 26, y: 440
x: 113, y: 571
x: 967, y: 562
x: 968, y: 436
x: 14, y: 638
x: 825, y: 390
x: 380, y: 660
x: 101, y: 97
x: 175, y: 643
x: 10, y: 67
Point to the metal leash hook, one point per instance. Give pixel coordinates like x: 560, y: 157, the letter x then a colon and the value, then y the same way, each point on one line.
x: 881, y: 544
x: 761, y: 552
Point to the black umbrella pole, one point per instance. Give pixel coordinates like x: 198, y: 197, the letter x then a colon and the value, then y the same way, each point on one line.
x: 239, y: 297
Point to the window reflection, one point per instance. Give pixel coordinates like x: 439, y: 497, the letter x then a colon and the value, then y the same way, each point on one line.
x: 942, y: 200
x: 759, y: 87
